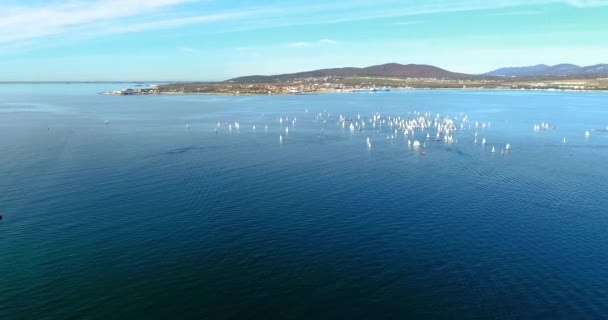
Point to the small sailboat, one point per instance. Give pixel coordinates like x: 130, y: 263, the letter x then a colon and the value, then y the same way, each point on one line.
x: 508, y: 146
x: 493, y: 150
x: 564, y: 140
x: 587, y: 133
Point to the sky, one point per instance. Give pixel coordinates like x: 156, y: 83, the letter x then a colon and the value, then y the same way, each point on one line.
x: 210, y: 40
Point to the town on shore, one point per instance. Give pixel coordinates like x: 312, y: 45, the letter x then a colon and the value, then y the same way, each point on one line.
x: 329, y: 84
x: 393, y: 76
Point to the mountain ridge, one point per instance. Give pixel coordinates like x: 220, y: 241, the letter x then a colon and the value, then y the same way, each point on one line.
x: 562, y: 69
x: 396, y: 70
x: 384, y: 70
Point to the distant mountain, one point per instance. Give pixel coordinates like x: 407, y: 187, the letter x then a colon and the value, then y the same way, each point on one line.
x: 556, y: 70
x: 519, y: 71
x: 601, y: 69
x: 385, y: 70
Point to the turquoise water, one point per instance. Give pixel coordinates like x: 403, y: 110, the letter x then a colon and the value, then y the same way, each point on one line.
x: 145, y: 218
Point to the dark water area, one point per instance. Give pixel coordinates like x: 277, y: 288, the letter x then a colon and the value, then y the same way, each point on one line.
x: 161, y: 213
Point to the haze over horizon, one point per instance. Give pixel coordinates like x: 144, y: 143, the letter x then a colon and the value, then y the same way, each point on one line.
x: 180, y: 40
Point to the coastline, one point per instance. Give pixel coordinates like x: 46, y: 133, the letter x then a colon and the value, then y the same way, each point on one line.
x: 318, y: 85
x: 346, y: 92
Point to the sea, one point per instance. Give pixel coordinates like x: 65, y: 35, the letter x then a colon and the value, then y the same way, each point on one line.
x: 175, y: 207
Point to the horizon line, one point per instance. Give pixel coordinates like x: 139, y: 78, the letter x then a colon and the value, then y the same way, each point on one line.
x: 277, y: 74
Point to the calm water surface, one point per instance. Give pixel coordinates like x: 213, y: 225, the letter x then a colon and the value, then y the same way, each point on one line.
x: 144, y: 218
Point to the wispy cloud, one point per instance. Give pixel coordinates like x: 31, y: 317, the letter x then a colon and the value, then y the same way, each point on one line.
x: 515, y: 13
x: 405, y: 23
x: 176, y: 22
x: 28, y: 22
x: 300, y: 44
x: 585, y: 3
x: 85, y: 19
x: 336, y: 12
x: 327, y: 41
x: 303, y: 44
x: 324, y: 13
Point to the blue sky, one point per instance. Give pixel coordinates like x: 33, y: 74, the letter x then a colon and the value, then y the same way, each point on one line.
x: 189, y: 40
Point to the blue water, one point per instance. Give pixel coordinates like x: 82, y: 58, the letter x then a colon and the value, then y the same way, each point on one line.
x: 144, y: 218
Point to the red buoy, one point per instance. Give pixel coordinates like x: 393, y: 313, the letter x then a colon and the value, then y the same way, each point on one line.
x: 423, y: 153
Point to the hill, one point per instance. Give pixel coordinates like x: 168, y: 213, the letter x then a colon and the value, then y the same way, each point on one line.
x: 556, y: 70
x: 393, y: 70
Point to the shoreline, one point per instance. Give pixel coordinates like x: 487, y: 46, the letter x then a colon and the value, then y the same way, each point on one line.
x: 345, y: 92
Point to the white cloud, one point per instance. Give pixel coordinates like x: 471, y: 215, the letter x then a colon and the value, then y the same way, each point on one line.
x: 29, y: 22
x: 327, y: 41
x: 303, y: 44
x: 515, y: 13
x: 338, y: 12
x: 405, y: 23
x: 83, y: 19
x: 176, y: 22
x: 585, y: 3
